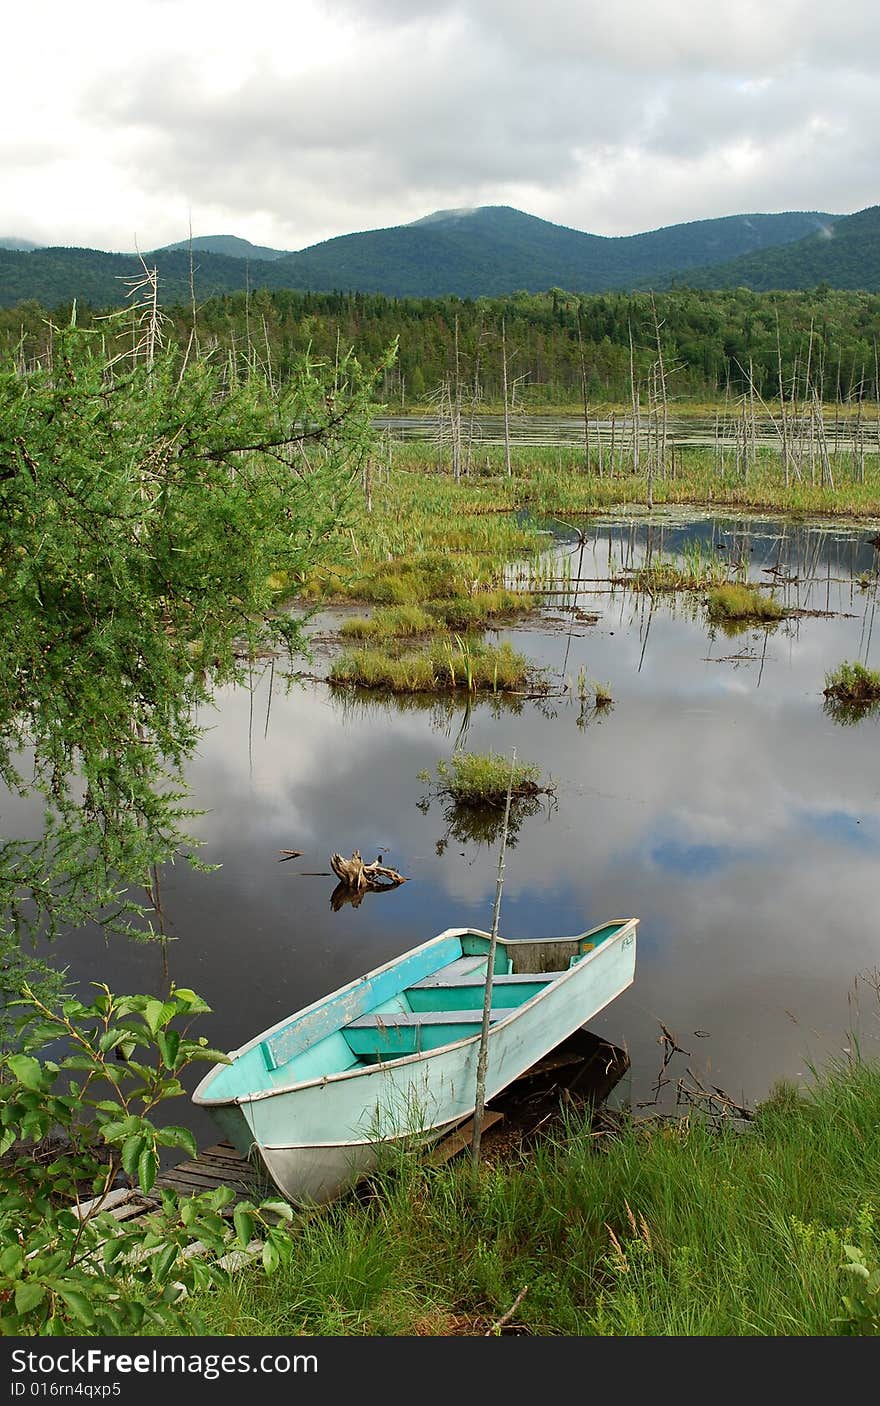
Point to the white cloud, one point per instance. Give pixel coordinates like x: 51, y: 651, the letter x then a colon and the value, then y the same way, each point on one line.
x: 291, y: 124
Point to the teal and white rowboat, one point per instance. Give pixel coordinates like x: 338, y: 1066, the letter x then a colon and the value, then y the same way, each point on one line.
x: 393, y: 1055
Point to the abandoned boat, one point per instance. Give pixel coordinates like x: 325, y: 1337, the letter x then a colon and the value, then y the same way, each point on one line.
x: 392, y: 1056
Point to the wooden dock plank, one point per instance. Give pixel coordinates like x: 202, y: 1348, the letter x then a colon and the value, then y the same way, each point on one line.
x: 461, y: 1138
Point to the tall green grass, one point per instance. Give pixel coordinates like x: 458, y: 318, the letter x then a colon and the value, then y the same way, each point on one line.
x: 665, y: 1229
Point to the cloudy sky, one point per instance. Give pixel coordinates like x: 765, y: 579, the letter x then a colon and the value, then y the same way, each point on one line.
x: 287, y: 123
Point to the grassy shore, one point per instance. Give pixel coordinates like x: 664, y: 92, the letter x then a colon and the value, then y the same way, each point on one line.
x: 553, y: 480
x: 661, y: 1229
x: 431, y: 542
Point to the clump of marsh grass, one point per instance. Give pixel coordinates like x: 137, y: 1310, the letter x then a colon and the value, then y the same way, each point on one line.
x: 734, y: 601
x: 694, y: 569
x: 474, y: 787
x: 853, y: 683
x: 390, y: 622
x: 459, y: 663
x: 482, y: 778
x: 591, y: 691
x: 852, y: 693
x: 478, y: 610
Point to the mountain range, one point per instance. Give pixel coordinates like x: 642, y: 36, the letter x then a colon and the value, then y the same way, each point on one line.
x: 489, y: 251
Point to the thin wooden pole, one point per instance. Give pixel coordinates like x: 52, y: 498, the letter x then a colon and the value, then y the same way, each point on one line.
x: 506, y: 404
x: 483, y: 1057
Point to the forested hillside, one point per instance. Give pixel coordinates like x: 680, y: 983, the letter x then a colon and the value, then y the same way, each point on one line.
x: 493, y: 251
x: 845, y: 256
x: 710, y: 341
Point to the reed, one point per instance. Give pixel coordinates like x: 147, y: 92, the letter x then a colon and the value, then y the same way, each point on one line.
x: 695, y: 568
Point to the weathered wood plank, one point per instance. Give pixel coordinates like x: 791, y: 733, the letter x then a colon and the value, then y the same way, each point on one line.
x: 243, y: 1172
x: 461, y: 1138
x: 223, y: 1149
x: 123, y: 1203
x: 203, y: 1176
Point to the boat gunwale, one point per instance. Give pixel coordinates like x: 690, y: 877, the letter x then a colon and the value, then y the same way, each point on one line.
x: 239, y: 1100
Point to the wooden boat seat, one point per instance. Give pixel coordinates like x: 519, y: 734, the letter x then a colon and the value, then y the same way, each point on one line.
x: 391, y: 1020
x: 442, y: 991
x: 445, y: 978
x: 462, y: 966
x: 398, y: 1033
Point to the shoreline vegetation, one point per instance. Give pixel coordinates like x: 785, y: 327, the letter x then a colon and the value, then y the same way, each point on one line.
x: 645, y: 1228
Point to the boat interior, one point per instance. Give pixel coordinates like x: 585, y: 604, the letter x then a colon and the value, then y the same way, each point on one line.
x: 432, y: 996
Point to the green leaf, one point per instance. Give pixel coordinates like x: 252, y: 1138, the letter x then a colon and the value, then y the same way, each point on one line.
x: 79, y: 1306
x: 244, y: 1225
x: 148, y: 1166
x: 113, y: 1248
x: 271, y: 1257
x: 12, y: 1261
x: 131, y: 1153
x: 174, y: 1136
x: 220, y: 1197
x: 28, y: 1295
x: 163, y: 1262
x: 153, y: 1014
x: 278, y: 1208
x: 119, y: 1128
x: 193, y: 1003
x: 205, y: 1052
x: 168, y: 1042
x: 28, y: 1072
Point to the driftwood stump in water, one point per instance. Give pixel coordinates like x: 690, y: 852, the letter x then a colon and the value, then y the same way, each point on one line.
x: 358, y: 876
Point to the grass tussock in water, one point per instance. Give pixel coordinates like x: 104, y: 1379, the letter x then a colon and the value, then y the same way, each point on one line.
x: 441, y: 665
x: 389, y: 622
x: 693, y: 570
x: 735, y: 601
x: 457, y: 613
x: 665, y: 1230
x: 853, y: 684
x: 483, y: 778
x: 479, y: 610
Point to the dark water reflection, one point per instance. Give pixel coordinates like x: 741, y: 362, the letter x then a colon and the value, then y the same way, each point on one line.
x: 716, y: 800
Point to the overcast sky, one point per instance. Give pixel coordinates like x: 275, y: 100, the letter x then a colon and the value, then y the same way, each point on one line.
x: 287, y: 123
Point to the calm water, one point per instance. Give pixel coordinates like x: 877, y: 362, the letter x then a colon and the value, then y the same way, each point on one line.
x: 716, y: 800
x: 549, y: 430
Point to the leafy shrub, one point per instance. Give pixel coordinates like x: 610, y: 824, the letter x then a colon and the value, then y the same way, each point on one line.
x: 66, y: 1265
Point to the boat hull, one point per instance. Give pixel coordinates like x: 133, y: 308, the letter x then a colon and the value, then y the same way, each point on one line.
x: 319, y: 1139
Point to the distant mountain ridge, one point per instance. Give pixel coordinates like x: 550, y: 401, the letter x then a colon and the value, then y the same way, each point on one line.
x: 487, y: 251
x: 844, y: 255
x: 228, y: 244
x: 495, y: 250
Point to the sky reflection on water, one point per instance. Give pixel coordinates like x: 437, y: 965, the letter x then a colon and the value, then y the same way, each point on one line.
x: 716, y: 800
